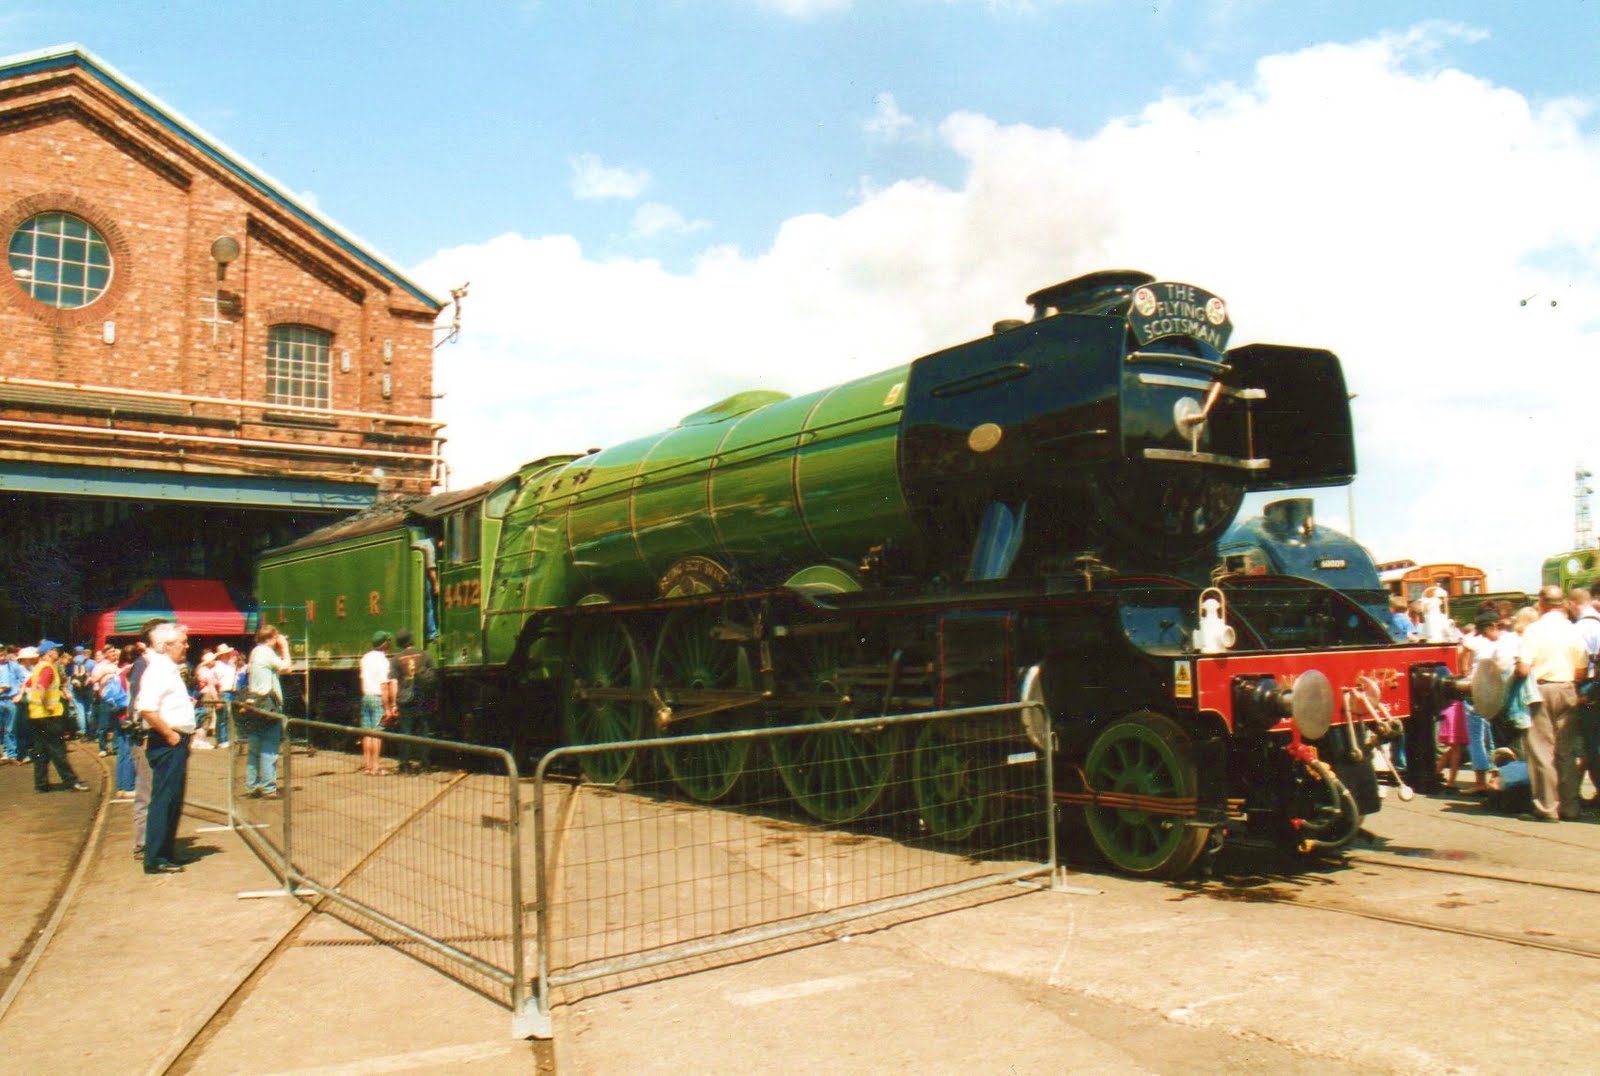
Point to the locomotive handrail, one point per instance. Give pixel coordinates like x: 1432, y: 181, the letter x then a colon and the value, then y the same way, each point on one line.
x: 1172, y: 357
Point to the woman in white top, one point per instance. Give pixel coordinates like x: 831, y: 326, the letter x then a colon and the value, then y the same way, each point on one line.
x: 1492, y: 644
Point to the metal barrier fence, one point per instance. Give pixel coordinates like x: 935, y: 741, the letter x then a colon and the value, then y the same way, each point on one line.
x: 429, y: 858
x: 824, y: 824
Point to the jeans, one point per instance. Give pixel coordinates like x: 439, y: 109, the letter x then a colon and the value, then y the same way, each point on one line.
x: 225, y: 718
x: 1589, y: 733
x: 24, y: 727
x: 105, y: 723
x: 261, y: 763
x: 415, y: 720
x: 125, y: 767
x: 169, y: 774
x: 1480, y: 740
x: 8, y: 729
x: 84, y: 697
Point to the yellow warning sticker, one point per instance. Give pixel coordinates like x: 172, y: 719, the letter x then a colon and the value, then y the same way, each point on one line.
x: 894, y: 394
x: 1182, y: 684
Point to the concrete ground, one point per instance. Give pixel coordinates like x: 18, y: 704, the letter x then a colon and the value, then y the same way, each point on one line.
x: 1274, y: 965
x: 1271, y: 966
x: 139, y: 963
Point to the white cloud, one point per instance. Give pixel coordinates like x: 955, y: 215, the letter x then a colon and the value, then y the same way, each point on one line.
x: 890, y: 124
x: 654, y: 219
x: 593, y: 180
x: 1356, y: 197
x: 804, y: 9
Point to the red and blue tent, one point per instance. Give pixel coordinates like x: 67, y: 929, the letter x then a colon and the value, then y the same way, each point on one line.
x: 210, y: 608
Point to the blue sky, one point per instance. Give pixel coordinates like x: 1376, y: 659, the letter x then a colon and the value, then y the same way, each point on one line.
x: 661, y: 203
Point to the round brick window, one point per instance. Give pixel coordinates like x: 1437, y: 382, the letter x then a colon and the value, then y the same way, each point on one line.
x: 60, y: 260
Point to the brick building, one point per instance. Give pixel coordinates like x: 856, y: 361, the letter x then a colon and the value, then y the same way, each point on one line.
x: 193, y: 364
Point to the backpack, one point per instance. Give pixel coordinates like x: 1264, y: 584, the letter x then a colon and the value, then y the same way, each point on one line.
x: 114, y: 693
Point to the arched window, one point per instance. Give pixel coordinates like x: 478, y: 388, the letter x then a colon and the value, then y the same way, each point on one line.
x: 299, y: 366
x: 60, y: 260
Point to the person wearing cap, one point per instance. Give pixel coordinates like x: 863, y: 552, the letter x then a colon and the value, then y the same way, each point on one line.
x: 227, y: 676
x: 208, y: 691
x: 378, y: 705
x: 1553, y: 656
x: 13, y: 735
x: 45, y: 714
x: 416, y: 697
x: 50, y: 651
x: 164, y: 704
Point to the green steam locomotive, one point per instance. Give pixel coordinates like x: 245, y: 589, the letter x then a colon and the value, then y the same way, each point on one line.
x: 1052, y: 493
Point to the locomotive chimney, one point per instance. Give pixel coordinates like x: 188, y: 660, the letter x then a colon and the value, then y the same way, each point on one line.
x: 1290, y: 518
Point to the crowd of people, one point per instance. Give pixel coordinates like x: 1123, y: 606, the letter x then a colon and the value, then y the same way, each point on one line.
x: 1529, y: 756
x: 146, y: 704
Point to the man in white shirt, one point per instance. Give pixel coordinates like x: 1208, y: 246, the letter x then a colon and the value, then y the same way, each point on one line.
x: 164, y: 704
x: 1553, y: 656
x: 378, y: 705
x: 1586, y: 617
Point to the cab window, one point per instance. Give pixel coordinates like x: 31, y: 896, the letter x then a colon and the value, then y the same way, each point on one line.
x: 461, y: 533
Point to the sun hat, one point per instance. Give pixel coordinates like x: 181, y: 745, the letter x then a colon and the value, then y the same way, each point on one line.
x: 27, y: 652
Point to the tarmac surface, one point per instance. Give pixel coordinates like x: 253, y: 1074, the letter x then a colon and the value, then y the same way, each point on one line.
x: 1456, y: 942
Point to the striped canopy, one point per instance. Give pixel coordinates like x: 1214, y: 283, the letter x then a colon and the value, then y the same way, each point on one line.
x: 209, y: 607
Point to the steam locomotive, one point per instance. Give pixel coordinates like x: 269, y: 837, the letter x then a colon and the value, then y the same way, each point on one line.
x: 1056, y: 493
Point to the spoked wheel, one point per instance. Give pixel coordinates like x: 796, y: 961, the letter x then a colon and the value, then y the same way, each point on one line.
x: 601, y: 655
x: 1144, y: 754
x: 954, y: 786
x: 835, y: 775
x: 689, y: 659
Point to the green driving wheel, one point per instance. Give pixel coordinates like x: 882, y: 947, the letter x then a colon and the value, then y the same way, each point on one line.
x: 688, y: 659
x: 600, y: 656
x: 834, y: 775
x: 953, y: 785
x: 1143, y: 754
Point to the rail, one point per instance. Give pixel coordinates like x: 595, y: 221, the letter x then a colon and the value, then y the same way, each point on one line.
x: 428, y: 860
x: 820, y: 824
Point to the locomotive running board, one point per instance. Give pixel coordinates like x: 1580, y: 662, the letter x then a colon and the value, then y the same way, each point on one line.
x: 1182, y: 456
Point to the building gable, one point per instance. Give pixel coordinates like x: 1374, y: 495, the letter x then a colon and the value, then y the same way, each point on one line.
x: 68, y: 78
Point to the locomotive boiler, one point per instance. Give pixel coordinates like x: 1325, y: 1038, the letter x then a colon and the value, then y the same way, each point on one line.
x: 1052, y: 493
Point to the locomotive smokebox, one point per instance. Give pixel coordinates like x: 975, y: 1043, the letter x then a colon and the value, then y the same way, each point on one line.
x: 1118, y: 422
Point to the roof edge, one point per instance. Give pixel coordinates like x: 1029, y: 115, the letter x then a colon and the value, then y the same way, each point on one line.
x: 74, y: 54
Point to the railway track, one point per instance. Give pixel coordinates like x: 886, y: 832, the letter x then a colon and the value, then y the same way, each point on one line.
x: 61, y: 902
x: 187, y: 1051
x: 68, y: 925
x: 1277, y: 890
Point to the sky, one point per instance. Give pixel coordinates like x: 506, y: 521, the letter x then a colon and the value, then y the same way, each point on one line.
x: 660, y: 204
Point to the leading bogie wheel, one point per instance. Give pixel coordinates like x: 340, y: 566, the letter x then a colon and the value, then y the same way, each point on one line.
x: 601, y: 655
x: 1143, y: 754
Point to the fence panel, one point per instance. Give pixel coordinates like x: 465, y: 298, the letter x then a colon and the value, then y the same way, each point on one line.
x: 825, y: 823
x: 427, y: 857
